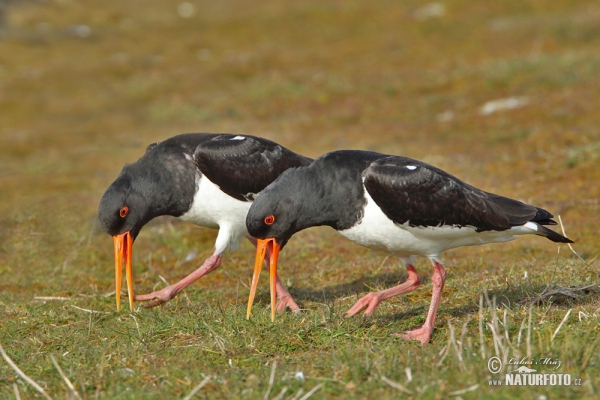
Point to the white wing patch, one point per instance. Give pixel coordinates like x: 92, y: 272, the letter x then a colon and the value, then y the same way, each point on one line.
x: 531, y: 225
x: 411, y: 167
x: 238, y: 138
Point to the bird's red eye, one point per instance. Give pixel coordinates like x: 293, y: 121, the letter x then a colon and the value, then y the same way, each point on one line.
x: 123, y: 212
x: 269, y: 219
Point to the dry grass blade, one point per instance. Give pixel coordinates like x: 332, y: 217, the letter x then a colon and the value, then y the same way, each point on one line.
x: 505, y: 323
x: 22, y: 374
x: 136, y: 325
x: 589, y: 354
x: 298, y: 394
x: 481, y: 341
x: 395, y: 385
x: 562, y: 227
x: 443, y: 353
x: 493, y: 324
x: 271, y: 380
x: 65, y: 378
x: 90, y: 311
x: 461, y: 363
x: 48, y: 298
x: 16, y: 390
x: 197, y: 388
x: 463, y: 334
x: 312, y: 391
x: 521, y: 332
x: 281, y: 394
x: 528, y: 342
x: 100, y: 376
x: 561, y: 323
x: 463, y: 391
x: 220, y: 341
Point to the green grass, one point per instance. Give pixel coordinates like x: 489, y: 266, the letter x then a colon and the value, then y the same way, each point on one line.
x: 315, y: 76
x: 165, y: 352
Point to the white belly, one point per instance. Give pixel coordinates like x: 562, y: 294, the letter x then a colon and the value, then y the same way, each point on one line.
x: 214, y: 209
x: 377, y: 231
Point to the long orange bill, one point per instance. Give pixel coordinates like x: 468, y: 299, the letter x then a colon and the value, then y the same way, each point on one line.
x: 261, y: 249
x: 123, y: 251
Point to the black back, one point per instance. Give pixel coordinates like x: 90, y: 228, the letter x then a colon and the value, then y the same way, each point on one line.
x: 412, y: 191
x: 242, y: 166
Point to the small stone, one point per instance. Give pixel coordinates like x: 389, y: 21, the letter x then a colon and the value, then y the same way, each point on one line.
x: 186, y: 10
x: 252, y: 380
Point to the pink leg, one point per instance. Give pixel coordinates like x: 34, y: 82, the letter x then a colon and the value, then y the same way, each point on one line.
x: 162, y: 296
x: 423, y: 334
x: 372, y: 300
x: 284, y: 298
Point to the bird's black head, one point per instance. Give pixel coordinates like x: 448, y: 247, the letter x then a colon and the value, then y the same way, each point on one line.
x: 162, y: 182
x: 293, y: 202
x: 269, y: 218
x: 272, y: 219
x: 298, y: 199
x: 123, y: 208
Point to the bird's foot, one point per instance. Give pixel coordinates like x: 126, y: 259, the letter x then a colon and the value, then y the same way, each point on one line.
x: 422, y: 334
x: 159, y: 297
x: 286, y: 301
x: 370, y: 302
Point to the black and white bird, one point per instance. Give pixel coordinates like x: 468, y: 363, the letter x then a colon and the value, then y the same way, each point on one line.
x: 390, y: 203
x: 207, y: 179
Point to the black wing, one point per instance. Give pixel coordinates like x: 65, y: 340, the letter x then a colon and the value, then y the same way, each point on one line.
x: 411, y: 191
x: 244, y: 165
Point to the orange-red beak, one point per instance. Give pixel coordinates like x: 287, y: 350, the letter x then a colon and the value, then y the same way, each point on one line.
x: 123, y: 251
x: 262, y: 246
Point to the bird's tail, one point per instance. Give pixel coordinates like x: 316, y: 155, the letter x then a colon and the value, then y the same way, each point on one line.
x: 550, y: 234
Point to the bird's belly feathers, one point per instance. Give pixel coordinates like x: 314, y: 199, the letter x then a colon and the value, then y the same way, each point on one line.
x: 212, y: 208
x: 375, y: 230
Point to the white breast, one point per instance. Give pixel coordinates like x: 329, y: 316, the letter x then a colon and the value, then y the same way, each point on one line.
x: 213, y: 208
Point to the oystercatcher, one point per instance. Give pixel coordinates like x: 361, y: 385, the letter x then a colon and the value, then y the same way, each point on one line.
x: 207, y: 179
x: 391, y: 203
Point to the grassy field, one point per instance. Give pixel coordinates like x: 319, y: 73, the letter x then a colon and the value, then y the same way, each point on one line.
x: 85, y: 86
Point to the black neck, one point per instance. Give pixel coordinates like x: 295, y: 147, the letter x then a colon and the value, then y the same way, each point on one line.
x: 337, y: 194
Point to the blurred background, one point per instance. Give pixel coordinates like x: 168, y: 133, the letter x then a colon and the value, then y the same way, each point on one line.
x: 502, y: 94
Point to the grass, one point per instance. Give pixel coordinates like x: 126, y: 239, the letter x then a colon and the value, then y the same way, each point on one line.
x: 76, y: 104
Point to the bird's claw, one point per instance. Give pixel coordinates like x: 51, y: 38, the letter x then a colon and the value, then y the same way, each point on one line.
x: 286, y: 301
x: 421, y: 334
x: 368, y: 302
x: 154, y: 303
x: 157, y: 298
